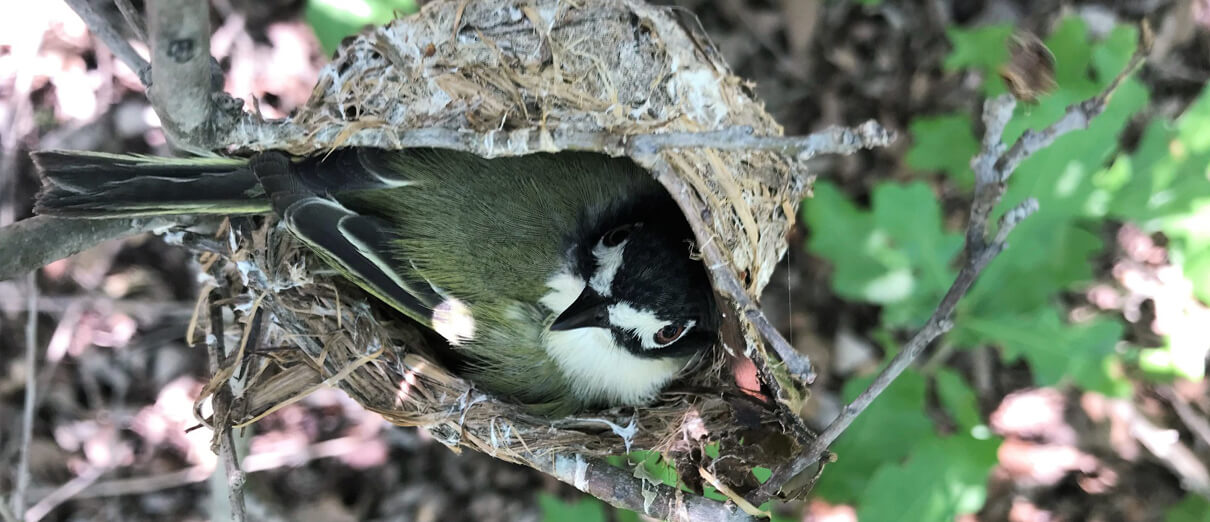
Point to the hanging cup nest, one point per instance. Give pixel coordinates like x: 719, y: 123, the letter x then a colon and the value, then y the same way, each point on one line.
x: 508, y: 78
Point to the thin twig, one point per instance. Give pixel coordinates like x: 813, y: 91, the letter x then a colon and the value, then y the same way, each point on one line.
x: 1173, y: 454
x: 41, y: 239
x: 993, y: 167
x: 121, y: 48
x: 31, y: 385
x: 61, y: 305
x: 1193, y: 420
x: 726, y: 281
x: 132, y: 19
x: 180, y: 55
x: 64, y: 493
x: 6, y: 514
x: 623, y: 489
x: 221, y: 403
x: 1077, y: 117
x: 833, y: 140
x: 254, y: 463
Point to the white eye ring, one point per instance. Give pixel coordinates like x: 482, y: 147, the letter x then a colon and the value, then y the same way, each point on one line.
x: 669, y: 334
x: 618, y: 235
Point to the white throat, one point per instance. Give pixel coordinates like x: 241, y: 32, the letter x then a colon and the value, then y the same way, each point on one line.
x: 597, y: 367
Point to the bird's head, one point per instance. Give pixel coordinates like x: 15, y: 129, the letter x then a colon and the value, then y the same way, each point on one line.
x: 642, y: 282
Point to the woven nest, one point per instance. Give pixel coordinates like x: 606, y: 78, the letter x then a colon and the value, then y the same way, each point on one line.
x: 507, y: 78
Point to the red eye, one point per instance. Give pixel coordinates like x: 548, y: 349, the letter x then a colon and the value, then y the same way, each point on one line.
x: 668, y: 334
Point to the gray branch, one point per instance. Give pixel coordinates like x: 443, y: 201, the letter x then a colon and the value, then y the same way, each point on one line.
x: 194, y: 111
x: 217, y: 352
x: 993, y: 167
x: 622, y: 489
x: 34, y: 242
x: 132, y: 19
x: 112, y: 38
x: 833, y: 140
x: 49, y: 239
x: 31, y: 390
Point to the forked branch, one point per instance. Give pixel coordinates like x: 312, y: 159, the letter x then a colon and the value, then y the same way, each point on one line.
x: 993, y: 167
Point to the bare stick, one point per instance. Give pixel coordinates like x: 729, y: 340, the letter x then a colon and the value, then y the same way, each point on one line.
x: 180, y: 54
x: 221, y: 401
x: 993, y: 167
x: 31, y: 388
x: 721, y: 272
x: 1077, y: 117
x: 491, y: 144
x: 622, y: 489
x: 185, y: 91
x: 833, y: 140
x: 112, y: 38
x: 64, y: 493
x: 33, y: 242
x: 1193, y: 420
x: 616, y: 486
x: 1173, y: 454
x: 132, y: 19
x: 40, y: 240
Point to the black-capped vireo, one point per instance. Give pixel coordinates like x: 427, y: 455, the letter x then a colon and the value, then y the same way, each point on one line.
x: 561, y: 281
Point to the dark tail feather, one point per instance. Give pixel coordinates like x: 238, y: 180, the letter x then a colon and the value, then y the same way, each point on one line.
x: 93, y: 184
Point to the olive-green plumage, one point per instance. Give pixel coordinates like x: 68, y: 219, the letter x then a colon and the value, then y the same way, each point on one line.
x: 419, y: 228
x: 544, y: 196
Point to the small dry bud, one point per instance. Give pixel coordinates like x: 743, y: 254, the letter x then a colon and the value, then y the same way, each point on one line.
x: 1030, y: 71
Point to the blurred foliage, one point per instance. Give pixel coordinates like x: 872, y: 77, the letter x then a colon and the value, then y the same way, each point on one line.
x: 897, y: 253
x: 586, y: 509
x: 982, y: 49
x: 1192, y: 509
x: 333, y: 20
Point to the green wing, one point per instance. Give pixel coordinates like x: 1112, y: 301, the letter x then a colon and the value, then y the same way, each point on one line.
x: 357, y: 245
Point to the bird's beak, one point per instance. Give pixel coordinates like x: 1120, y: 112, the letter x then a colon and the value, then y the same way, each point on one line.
x: 590, y: 309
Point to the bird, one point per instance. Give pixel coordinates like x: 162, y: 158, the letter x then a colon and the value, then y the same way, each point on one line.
x: 561, y: 282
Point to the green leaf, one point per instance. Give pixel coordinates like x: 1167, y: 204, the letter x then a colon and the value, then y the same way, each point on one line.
x: 943, y: 479
x: 1046, y: 254
x: 882, y: 435
x: 333, y: 20
x: 897, y: 254
x: 1069, y: 43
x: 761, y: 474
x: 585, y: 509
x: 1058, y: 353
x: 981, y: 48
x: 911, y: 219
x: 655, y: 466
x: 958, y: 398
x: 944, y: 143
x: 626, y: 515
x: 1194, y: 508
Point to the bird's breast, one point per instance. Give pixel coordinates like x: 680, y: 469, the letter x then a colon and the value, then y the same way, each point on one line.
x: 597, y: 369
x: 595, y: 366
